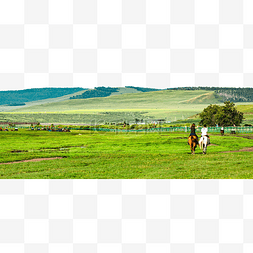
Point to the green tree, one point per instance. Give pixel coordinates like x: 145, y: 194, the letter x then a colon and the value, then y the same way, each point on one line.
x: 229, y: 116
x: 226, y: 115
x: 209, y: 115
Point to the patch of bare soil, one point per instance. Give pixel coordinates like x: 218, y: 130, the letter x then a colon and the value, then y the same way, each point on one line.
x: 35, y: 160
x: 240, y: 150
x: 17, y: 151
x: 250, y: 137
x: 213, y: 144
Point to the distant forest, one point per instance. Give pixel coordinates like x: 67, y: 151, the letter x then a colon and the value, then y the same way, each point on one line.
x: 16, y: 104
x: 226, y: 94
x: 16, y: 97
x: 96, y: 92
x: 106, y: 92
x: 142, y: 89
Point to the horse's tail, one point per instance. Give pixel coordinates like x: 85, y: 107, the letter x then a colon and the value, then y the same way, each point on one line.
x: 204, y: 142
x: 201, y: 143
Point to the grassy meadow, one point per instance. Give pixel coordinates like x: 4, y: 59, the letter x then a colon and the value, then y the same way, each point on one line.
x: 165, y: 104
x: 134, y: 155
x: 87, y: 154
x: 171, y: 105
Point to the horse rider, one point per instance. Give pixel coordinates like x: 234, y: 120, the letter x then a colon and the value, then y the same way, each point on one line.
x: 193, y: 132
x: 222, y: 130
x: 204, y: 133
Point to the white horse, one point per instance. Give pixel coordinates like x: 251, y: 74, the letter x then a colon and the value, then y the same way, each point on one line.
x: 203, y: 142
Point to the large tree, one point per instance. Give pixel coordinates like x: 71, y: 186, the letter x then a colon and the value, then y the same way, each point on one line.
x: 208, y: 116
x: 226, y: 115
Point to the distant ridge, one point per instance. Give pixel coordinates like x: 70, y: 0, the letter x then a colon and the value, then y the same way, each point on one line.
x: 225, y: 94
x: 14, y: 98
x: 221, y: 93
x: 11, y: 97
x: 108, y: 91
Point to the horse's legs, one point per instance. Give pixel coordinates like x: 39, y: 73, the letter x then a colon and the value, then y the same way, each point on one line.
x: 192, y: 147
x: 204, y: 149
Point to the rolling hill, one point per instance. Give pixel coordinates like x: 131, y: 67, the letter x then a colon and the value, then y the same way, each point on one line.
x: 14, y: 106
x: 108, y: 91
x: 170, y: 105
x: 10, y: 100
x: 29, y: 95
x: 125, y: 104
x: 164, y: 99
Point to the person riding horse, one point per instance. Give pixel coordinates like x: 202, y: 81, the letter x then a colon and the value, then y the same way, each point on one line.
x: 222, y: 131
x: 204, y: 133
x: 193, y: 133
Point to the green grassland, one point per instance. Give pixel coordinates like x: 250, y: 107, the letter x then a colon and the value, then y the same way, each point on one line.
x: 127, y: 105
x: 165, y: 104
x: 4, y: 108
x: 109, y: 155
x: 164, y: 99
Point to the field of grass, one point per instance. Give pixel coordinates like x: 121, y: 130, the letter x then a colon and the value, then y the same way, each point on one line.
x: 4, y: 108
x: 171, y: 105
x: 165, y: 104
x: 98, y: 116
x: 109, y: 155
x: 164, y: 99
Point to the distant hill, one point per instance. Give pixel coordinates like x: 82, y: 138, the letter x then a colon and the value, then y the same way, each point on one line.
x: 226, y: 94
x: 216, y: 94
x: 127, y: 104
x: 143, y: 89
x: 162, y: 99
x: 220, y: 94
x: 15, y: 97
x: 96, y: 92
x: 210, y: 97
x: 108, y: 91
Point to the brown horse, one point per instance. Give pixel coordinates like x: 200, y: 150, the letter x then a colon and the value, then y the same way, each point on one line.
x: 193, y: 142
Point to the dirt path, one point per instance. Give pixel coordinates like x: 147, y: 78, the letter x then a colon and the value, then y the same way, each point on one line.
x: 34, y: 160
x: 240, y: 150
x: 250, y: 137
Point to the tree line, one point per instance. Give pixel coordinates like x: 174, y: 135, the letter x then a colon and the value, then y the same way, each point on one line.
x: 96, y: 92
x: 226, y: 94
x: 106, y: 92
x: 142, y: 89
x: 16, y: 97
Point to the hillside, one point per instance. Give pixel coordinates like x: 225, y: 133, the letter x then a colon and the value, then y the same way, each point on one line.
x: 108, y: 91
x: 13, y: 106
x: 247, y: 110
x: 210, y: 97
x: 171, y: 105
x: 226, y: 94
x: 164, y: 99
x: 28, y: 95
